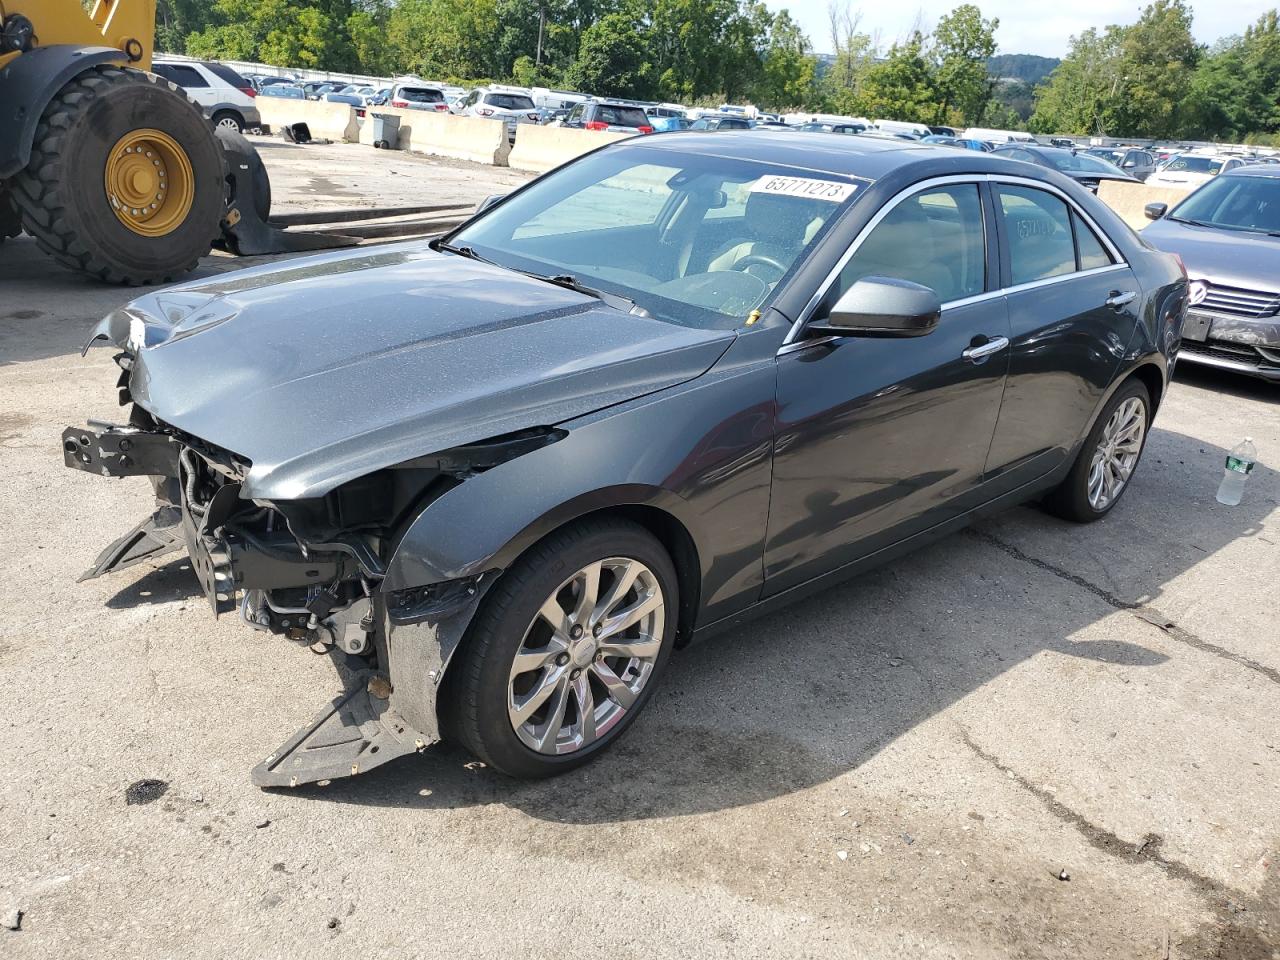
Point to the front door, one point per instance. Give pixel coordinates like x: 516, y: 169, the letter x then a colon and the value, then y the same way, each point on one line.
x: 880, y: 438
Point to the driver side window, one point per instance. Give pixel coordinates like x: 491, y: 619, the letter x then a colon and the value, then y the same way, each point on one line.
x: 934, y: 238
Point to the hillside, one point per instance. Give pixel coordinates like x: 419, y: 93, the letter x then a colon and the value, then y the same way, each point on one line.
x: 1022, y: 66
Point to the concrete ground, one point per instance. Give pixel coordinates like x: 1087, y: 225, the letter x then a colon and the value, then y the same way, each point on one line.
x: 1030, y: 740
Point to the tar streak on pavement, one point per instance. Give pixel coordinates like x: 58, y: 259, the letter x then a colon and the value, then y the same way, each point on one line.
x: 141, y: 792
x: 1140, y: 610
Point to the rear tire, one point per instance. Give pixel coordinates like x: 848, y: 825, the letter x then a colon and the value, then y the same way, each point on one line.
x: 228, y: 120
x: 486, y: 683
x: 62, y: 195
x: 1084, y: 495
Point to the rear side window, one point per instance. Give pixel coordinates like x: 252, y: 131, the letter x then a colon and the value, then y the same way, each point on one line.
x: 934, y: 238
x: 1038, y: 228
x: 223, y: 72
x: 1091, y: 251
x: 183, y: 76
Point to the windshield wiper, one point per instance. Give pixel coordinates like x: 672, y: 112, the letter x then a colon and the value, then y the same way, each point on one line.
x: 570, y: 282
x: 1196, y: 223
x: 462, y: 251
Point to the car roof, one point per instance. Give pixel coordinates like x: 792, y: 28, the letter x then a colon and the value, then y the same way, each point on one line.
x: 1271, y: 171
x: 869, y: 158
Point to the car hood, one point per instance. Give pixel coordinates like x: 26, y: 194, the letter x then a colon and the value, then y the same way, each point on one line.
x: 1232, y: 258
x: 321, y: 370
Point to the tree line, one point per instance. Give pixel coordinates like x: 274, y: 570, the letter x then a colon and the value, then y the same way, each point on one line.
x: 1147, y: 79
x: 687, y: 51
x: 1152, y: 79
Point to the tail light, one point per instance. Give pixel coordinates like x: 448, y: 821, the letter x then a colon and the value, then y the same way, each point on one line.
x: 485, y: 112
x: 248, y: 91
x: 645, y: 129
x: 596, y: 125
x: 399, y: 103
x: 442, y: 107
x: 533, y: 116
x: 360, y: 111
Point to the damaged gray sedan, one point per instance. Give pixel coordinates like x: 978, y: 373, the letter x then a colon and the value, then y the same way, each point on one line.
x: 667, y: 387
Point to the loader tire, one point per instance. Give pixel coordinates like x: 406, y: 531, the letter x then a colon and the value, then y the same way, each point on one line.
x: 126, y: 180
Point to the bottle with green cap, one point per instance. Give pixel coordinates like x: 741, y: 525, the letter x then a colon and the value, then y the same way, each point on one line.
x: 1240, y: 463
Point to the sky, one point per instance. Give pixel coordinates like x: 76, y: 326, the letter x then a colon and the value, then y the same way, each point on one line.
x: 1026, y: 26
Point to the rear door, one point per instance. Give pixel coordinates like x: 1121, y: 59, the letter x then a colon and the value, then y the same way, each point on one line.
x: 1072, y: 312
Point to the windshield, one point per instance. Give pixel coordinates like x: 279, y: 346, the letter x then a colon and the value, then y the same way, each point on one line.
x: 420, y: 95
x: 699, y: 240
x: 1210, y: 165
x: 1235, y: 203
x: 509, y: 101
x: 1111, y: 156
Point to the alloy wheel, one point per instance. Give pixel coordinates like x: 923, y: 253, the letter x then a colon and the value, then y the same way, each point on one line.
x: 586, y: 656
x: 1117, y: 453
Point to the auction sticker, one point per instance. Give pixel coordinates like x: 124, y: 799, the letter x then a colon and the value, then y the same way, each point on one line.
x: 827, y: 190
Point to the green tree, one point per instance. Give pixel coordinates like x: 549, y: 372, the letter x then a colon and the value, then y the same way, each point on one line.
x: 287, y: 33
x: 963, y: 42
x: 789, y: 71
x: 612, y: 60
x: 901, y: 86
x: 1158, y: 57
x: 1080, y: 96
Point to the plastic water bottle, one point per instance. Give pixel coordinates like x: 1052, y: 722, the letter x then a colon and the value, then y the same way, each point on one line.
x: 1240, y: 462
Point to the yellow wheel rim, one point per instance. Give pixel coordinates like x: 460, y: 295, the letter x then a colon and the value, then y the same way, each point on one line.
x: 149, y: 182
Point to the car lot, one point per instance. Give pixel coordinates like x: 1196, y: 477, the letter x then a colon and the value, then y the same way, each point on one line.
x: 1032, y: 739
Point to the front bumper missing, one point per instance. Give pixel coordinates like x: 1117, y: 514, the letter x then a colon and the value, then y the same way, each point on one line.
x: 356, y: 732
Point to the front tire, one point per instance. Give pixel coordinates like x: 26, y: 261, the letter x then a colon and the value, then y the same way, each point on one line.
x: 566, y: 650
x: 1108, y: 458
x: 126, y: 179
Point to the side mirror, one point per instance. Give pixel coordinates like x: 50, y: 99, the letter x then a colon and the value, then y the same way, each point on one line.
x: 1154, y: 211
x: 489, y: 201
x: 882, y: 307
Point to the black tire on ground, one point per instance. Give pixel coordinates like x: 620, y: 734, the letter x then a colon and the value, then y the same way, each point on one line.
x: 61, y: 193
x: 1070, y: 499
x: 474, y: 704
x: 229, y: 119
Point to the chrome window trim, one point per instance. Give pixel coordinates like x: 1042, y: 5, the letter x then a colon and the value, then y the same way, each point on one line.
x: 792, y: 337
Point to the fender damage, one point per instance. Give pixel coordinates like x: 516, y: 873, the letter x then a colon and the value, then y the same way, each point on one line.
x: 290, y: 480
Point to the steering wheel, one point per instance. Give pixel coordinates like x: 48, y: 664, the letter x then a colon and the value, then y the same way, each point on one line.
x: 752, y: 259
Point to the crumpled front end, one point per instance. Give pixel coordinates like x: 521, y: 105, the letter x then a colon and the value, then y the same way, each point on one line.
x: 307, y: 571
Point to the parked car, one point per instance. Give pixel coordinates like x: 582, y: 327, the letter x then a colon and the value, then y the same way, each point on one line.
x: 818, y: 126
x: 1228, y: 234
x: 770, y: 125
x: 226, y: 98
x: 352, y: 99
x: 1191, y: 170
x: 720, y: 122
x: 1139, y: 164
x: 1065, y: 143
x: 1083, y: 169
x: 608, y: 115
x: 512, y: 469
x: 669, y: 124
x: 285, y: 90
x: 940, y: 131
x: 913, y: 130
x: 416, y: 96
x: 958, y: 142
x: 495, y: 103
x: 316, y: 89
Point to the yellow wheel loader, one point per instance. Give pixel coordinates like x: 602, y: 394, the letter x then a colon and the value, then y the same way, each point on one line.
x: 113, y: 170
x: 117, y: 173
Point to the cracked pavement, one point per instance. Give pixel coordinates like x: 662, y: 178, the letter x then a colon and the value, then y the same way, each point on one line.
x: 1023, y: 702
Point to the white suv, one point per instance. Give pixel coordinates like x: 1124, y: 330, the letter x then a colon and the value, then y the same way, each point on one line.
x: 501, y: 103
x: 226, y: 97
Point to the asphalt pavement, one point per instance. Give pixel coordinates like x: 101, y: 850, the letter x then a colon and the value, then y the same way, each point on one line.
x: 1032, y: 739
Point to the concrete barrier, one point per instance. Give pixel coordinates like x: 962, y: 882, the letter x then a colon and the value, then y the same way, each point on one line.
x: 1129, y: 199
x: 540, y: 149
x: 445, y: 135
x: 330, y: 121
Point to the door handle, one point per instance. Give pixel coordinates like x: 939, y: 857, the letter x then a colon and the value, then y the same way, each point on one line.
x: 1115, y: 300
x: 979, y: 353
